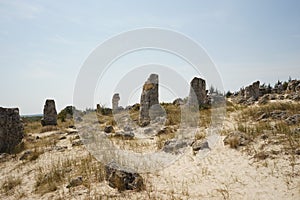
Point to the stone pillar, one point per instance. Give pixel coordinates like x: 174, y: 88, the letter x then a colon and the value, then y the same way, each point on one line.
x: 11, y: 129
x: 149, y: 98
x: 115, y: 102
x: 50, y: 114
x: 198, y: 94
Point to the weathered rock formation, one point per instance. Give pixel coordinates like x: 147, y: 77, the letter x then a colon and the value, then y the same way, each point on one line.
x: 293, y: 86
x: 11, y: 129
x: 252, y: 91
x: 115, y: 102
x: 122, y: 178
x: 50, y: 114
x: 250, y: 94
x: 198, y: 93
x: 149, y: 98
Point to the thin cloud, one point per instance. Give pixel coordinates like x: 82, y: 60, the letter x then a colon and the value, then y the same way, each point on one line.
x: 40, y: 70
x: 11, y: 9
x: 60, y: 40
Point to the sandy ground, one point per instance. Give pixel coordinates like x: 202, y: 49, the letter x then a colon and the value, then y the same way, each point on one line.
x: 224, y: 173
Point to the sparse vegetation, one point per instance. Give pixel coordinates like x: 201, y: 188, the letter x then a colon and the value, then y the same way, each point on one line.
x: 272, y: 141
x: 10, y: 183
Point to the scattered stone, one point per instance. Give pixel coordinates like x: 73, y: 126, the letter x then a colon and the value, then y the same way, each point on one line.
x: 175, y: 146
x: 296, y: 97
x: 293, y: 119
x: 264, y: 99
x: 75, y: 182
x: 281, y: 97
x: 236, y: 138
x: 11, y: 129
x: 165, y: 130
x: 125, y: 135
x: 263, y: 116
x: 71, y: 131
x: 60, y: 148
x: 77, y: 137
x: 78, y: 119
x: 76, y: 143
x: 200, y: 145
x: 198, y: 93
x: 50, y: 114
x: 128, y: 128
x: 149, y: 98
x: 148, y: 131
x: 109, y: 129
x: 264, y: 136
x: 297, y: 130
x: 261, y: 156
x: 278, y: 114
x: 62, y: 138
x: 123, y: 178
x: 25, y: 155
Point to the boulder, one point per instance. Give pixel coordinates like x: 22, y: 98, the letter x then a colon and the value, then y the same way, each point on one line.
x: 176, y: 146
x: 126, y: 135
x: 123, y: 178
x: 75, y: 182
x: 236, y: 138
x: 264, y: 99
x: 109, y: 129
x: 200, y: 145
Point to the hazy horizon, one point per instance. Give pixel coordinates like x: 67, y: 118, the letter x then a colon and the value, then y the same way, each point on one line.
x: 44, y: 44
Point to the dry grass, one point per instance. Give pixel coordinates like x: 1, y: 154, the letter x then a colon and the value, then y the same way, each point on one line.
x: 271, y: 134
x: 161, y: 139
x: 255, y: 112
x: 173, y: 114
x: 10, y: 183
x: 49, y: 128
x: 58, y: 174
x: 33, y: 127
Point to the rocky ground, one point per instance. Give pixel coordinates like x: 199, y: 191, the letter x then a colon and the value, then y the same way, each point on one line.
x: 256, y: 156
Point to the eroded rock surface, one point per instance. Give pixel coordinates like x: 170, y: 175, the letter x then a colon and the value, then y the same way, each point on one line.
x: 115, y: 102
x: 11, y: 129
x: 149, y: 98
x: 198, y: 93
x: 123, y: 178
x: 50, y: 114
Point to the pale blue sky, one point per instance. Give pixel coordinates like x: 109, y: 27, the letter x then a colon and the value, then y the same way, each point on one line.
x: 44, y: 43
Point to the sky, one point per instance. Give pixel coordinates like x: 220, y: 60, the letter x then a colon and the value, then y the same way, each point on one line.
x: 44, y: 44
